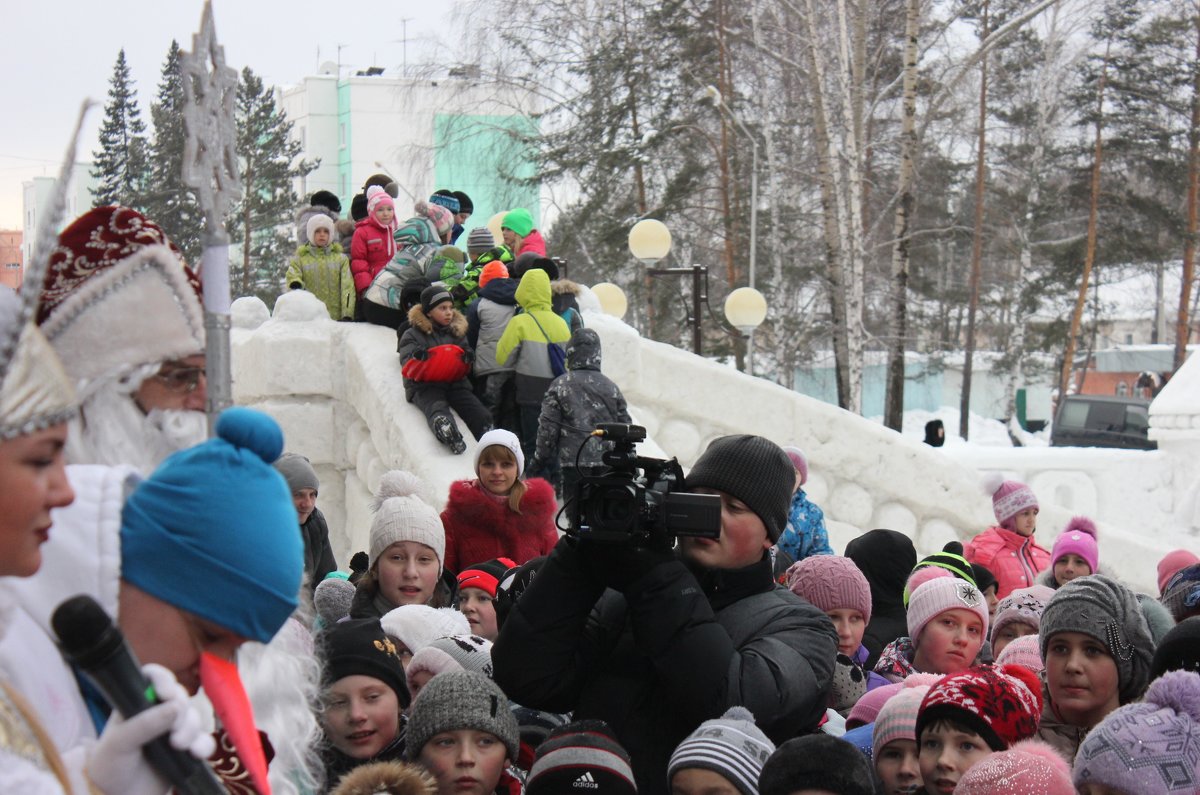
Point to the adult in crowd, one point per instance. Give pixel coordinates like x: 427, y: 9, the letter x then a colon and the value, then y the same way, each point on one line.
x: 36, y: 400
x: 187, y: 578
x: 654, y: 641
x: 123, y: 312
x: 303, y: 483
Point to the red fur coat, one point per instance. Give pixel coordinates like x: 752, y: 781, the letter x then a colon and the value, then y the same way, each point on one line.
x: 479, y: 527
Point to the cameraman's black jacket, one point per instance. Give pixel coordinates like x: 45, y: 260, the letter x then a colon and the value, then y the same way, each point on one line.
x: 676, y: 650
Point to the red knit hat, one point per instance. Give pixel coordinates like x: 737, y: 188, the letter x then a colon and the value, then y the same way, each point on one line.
x: 485, y: 576
x: 1003, y: 705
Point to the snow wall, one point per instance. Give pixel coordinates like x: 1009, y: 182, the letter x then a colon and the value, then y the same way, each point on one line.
x: 337, y: 391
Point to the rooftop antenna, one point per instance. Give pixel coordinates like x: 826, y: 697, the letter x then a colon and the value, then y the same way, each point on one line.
x: 403, y: 41
x: 340, y: 47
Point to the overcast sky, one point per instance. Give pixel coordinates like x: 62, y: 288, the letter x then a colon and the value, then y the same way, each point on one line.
x: 58, y: 52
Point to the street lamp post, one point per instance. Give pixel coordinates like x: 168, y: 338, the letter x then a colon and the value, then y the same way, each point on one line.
x: 745, y: 308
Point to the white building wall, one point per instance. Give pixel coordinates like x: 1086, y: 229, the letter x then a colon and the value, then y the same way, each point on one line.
x: 36, y: 196
x: 389, y: 127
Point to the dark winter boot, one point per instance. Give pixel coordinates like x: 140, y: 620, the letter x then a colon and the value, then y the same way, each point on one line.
x: 446, y: 433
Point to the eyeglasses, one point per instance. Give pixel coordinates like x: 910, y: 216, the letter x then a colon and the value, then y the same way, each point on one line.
x: 182, y: 380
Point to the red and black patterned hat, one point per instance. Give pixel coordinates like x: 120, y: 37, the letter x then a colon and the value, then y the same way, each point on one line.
x: 1003, y: 705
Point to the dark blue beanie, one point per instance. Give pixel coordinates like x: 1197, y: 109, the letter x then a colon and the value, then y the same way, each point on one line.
x: 213, y: 530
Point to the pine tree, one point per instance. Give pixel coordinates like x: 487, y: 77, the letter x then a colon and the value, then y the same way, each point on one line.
x: 166, y: 199
x: 120, y: 163
x: 267, y: 155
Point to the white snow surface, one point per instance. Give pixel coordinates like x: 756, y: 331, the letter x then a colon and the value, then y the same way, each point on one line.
x: 337, y: 391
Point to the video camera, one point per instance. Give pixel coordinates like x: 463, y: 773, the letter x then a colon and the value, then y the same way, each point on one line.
x: 640, y: 501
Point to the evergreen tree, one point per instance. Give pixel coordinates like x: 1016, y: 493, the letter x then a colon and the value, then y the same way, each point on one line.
x: 166, y: 199
x: 261, y: 219
x: 120, y: 163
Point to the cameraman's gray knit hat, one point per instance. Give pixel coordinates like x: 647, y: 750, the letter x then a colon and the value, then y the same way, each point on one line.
x: 458, y: 700
x: 1109, y: 612
x: 298, y: 472
x: 731, y: 746
x: 752, y: 469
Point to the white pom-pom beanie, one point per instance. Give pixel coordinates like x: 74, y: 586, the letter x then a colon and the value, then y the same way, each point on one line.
x: 401, y: 515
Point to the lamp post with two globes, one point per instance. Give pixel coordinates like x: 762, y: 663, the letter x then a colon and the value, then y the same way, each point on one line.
x: 650, y: 242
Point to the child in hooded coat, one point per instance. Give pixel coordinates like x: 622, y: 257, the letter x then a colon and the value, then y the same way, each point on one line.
x: 436, y: 359
x: 528, y: 337
x: 320, y: 267
x: 574, y: 405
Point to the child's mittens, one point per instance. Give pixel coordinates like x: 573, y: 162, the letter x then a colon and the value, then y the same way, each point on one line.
x: 849, y: 684
x: 420, y: 354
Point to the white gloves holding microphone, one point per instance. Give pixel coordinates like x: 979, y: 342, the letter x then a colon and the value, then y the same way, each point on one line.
x: 116, y: 766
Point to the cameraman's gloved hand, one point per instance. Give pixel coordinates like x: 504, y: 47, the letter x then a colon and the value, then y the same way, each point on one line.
x: 116, y: 765
x: 619, y: 566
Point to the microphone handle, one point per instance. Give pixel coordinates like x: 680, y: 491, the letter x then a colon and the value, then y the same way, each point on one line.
x: 186, y: 773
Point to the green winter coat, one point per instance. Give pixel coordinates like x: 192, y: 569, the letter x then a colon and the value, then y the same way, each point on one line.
x: 324, y: 272
x: 523, y: 338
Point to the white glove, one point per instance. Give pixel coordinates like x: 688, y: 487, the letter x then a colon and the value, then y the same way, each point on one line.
x: 116, y: 765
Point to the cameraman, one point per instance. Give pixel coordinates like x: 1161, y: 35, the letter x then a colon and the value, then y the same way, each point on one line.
x: 655, y: 642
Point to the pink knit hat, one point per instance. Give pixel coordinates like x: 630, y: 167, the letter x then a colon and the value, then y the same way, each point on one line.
x: 1030, y: 767
x: 1010, y: 499
x: 1173, y: 563
x: 897, y: 719
x: 1025, y: 650
x: 1078, y: 538
x: 378, y: 197
x: 831, y: 582
x: 799, y: 462
x: 441, y: 217
x: 938, y: 596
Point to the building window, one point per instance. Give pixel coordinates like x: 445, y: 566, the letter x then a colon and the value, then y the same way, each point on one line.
x: 342, y: 135
x: 1128, y: 339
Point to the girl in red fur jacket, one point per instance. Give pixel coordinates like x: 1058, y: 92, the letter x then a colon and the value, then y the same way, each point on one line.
x: 498, y: 514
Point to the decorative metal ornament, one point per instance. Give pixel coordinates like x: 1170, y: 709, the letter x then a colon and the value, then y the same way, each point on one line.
x: 210, y: 166
x: 210, y: 163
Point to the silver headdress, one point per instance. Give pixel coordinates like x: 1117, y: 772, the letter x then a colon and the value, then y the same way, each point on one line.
x: 35, y: 392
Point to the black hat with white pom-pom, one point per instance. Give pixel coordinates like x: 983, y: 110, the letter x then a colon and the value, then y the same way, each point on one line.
x: 213, y: 530
x: 401, y: 515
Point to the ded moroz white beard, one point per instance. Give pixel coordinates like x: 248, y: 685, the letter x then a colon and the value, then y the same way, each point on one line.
x: 113, y: 430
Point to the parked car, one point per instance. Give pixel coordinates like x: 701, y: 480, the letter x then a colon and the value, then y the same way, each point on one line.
x: 1102, y: 421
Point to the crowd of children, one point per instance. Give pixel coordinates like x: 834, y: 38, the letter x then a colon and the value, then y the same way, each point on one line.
x: 475, y: 650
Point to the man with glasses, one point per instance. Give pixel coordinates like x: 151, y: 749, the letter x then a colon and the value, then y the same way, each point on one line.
x: 123, y: 312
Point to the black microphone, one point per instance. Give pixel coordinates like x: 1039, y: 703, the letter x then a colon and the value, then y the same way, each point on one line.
x: 90, y: 640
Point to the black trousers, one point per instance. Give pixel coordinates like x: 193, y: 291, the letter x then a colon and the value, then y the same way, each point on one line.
x: 436, y: 399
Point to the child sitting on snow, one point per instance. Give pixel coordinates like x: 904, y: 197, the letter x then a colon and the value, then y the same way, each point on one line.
x: 436, y: 359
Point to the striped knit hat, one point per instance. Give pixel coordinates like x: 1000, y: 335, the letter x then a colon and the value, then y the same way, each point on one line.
x: 950, y: 559
x: 583, y: 756
x: 730, y: 746
x: 897, y: 719
x: 1025, y: 650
